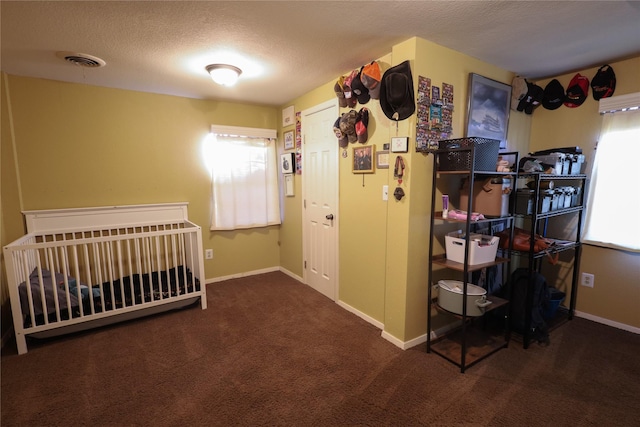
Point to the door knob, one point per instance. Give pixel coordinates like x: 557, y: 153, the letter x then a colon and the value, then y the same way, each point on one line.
x: 329, y: 217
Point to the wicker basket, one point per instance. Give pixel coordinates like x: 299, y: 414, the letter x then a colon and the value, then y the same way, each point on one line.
x: 485, y: 153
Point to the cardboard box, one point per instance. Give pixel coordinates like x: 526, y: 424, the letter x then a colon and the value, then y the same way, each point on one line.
x: 490, y: 197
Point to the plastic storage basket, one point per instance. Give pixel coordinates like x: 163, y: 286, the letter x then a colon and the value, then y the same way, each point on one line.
x: 485, y: 154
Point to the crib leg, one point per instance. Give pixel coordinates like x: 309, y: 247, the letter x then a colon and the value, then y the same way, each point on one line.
x: 203, y: 301
x: 21, y: 342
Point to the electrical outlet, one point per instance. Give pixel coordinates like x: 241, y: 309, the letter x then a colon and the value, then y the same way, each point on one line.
x: 208, y: 254
x: 587, y: 280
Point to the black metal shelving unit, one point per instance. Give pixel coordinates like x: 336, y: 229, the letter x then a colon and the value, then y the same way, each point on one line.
x: 539, y: 222
x: 472, y: 341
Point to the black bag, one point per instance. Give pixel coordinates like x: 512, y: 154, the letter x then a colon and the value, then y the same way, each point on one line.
x: 520, y: 280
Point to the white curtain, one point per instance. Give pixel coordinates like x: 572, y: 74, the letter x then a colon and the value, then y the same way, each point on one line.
x: 614, y: 192
x: 244, y: 182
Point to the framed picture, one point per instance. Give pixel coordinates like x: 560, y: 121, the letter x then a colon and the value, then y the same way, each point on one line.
x: 288, y: 163
x: 288, y: 140
x: 399, y: 144
x: 488, y: 115
x: 382, y: 159
x: 288, y: 185
x: 363, y: 158
x: 288, y: 116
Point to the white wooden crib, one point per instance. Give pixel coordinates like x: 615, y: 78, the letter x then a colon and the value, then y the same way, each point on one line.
x: 81, y: 268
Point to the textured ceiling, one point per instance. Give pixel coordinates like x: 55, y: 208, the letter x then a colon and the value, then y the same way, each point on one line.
x: 288, y: 48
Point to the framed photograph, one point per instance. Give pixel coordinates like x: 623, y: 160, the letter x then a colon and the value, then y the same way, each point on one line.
x: 288, y: 140
x: 488, y: 115
x: 400, y: 144
x: 363, y: 158
x: 382, y: 159
x: 288, y: 163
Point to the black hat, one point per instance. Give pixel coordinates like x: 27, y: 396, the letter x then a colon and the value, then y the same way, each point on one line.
x: 362, y: 121
x: 396, y: 92
x: 603, y: 83
x: 532, y: 99
x: 553, y: 96
x: 359, y: 89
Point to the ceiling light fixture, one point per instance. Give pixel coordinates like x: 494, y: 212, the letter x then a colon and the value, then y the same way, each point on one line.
x: 224, y: 74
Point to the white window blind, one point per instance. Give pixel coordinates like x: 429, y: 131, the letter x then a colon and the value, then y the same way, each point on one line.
x: 614, y: 190
x: 244, y: 178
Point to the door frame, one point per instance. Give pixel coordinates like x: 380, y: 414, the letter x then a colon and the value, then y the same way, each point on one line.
x: 331, y: 104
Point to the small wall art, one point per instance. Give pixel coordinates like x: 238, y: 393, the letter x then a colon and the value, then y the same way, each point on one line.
x: 382, y: 159
x: 289, y: 140
x: 288, y: 116
x: 287, y: 163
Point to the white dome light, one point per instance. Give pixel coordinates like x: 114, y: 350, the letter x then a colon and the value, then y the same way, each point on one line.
x: 223, y: 74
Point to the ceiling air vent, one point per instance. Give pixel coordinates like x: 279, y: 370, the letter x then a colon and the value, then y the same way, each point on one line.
x: 82, y: 59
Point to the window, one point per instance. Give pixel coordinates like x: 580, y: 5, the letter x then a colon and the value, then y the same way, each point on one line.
x: 244, y: 178
x: 614, y: 191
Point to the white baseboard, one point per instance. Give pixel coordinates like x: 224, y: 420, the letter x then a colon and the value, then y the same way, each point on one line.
x: 404, y: 345
x: 244, y: 274
x: 292, y: 275
x: 421, y: 339
x: 361, y: 315
x: 608, y: 322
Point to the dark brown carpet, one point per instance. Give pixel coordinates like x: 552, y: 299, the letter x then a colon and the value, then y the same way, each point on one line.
x: 270, y: 351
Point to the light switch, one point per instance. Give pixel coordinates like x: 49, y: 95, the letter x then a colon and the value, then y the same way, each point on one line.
x: 385, y: 192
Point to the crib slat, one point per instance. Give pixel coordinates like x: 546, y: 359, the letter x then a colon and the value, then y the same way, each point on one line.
x: 65, y: 280
x: 76, y: 273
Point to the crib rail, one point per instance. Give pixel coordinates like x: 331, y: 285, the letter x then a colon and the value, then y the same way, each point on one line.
x: 66, y: 278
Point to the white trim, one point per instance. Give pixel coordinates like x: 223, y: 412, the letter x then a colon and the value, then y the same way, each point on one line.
x: 405, y: 345
x: 619, y: 103
x: 361, y: 315
x: 292, y: 275
x: 244, y: 131
x: 239, y: 275
x: 608, y: 322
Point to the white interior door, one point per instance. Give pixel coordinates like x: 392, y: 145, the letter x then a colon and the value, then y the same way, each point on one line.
x: 320, y: 192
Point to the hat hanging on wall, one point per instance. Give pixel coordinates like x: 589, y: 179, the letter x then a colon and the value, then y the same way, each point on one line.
x: 352, y: 99
x: 348, y: 125
x: 577, y: 91
x: 397, y: 98
x: 338, y: 88
x: 553, y: 96
x: 359, y: 89
x: 518, y: 91
x: 370, y: 77
x: 343, y: 141
x: 362, y: 122
x: 532, y: 99
x: 603, y: 83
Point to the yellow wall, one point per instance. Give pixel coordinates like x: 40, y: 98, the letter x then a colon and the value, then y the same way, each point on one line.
x: 80, y: 145
x: 616, y: 292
